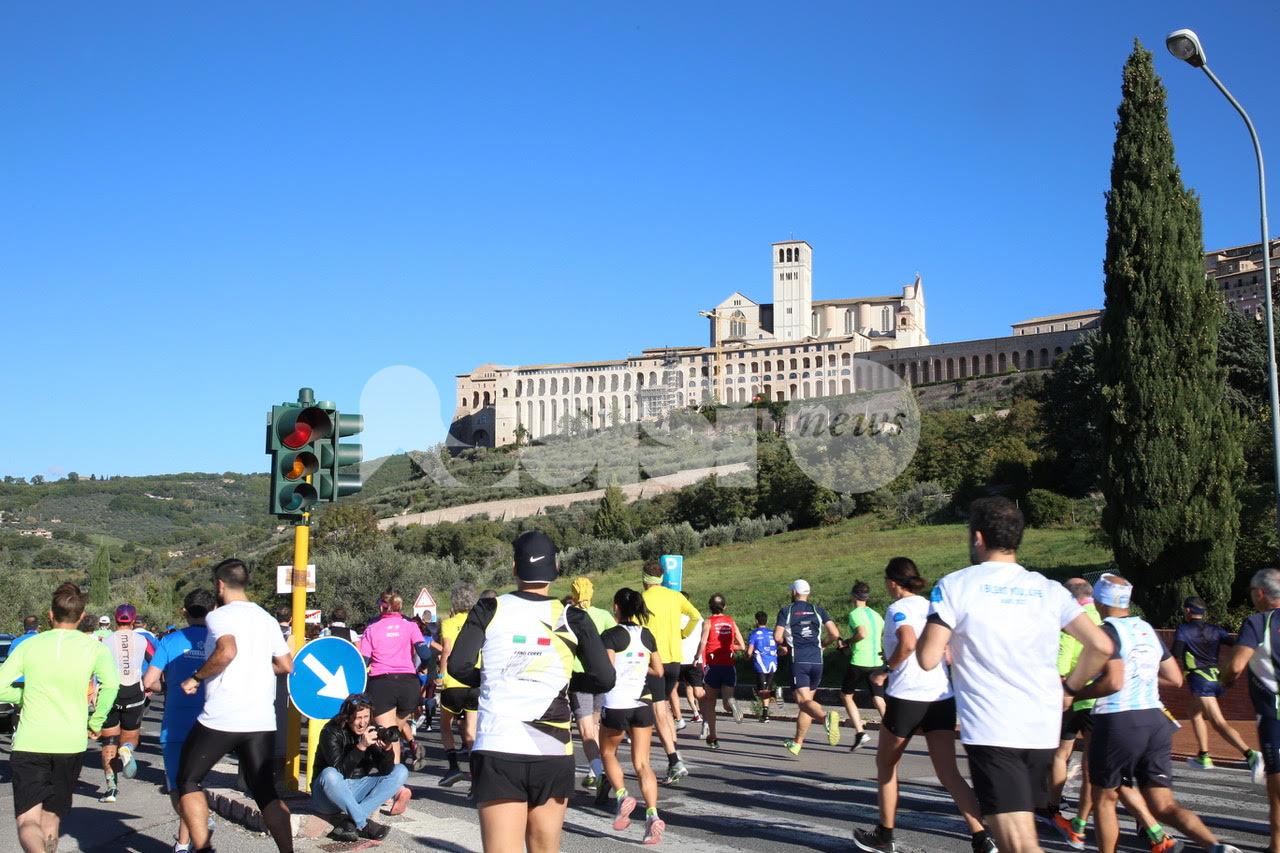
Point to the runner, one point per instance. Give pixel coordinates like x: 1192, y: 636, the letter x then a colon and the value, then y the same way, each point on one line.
x: 666, y: 610
x: 389, y: 645
x: 48, y: 747
x: 866, y: 660
x: 337, y: 627
x: 457, y: 700
x: 1002, y: 621
x: 522, y: 763
x: 180, y: 654
x: 1258, y: 652
x: 628, y: 710
x: 1195, y: 646
x: 763, y: 651
x: 586, y: 704
x: 692, y: 681
x: 1132, y: 732
x: 917, y: 701
x: 121, y: 732
x: 800, y: 627
x: 720, y: 643
x: 239, y: 716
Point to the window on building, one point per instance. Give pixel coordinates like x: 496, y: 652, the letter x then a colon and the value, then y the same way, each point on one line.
x: 848, y: 321
x: 886, y: 319
x: 813, y: 324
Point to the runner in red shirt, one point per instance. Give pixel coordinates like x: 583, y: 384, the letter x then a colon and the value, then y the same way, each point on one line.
x: 721, y: 641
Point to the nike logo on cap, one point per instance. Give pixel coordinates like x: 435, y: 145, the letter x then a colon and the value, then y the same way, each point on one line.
x: 536, y: 559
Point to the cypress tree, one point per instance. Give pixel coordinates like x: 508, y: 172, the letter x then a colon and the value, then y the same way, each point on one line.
x: 1171, y: 455
x: 100, y: 578
x: 612, y: 520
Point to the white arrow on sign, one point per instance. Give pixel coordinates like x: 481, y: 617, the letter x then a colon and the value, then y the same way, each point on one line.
x: 334, y: 683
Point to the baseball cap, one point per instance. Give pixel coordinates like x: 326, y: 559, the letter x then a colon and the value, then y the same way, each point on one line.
x: 126, y: 614
x: 800, y: 587
x: 535, y: 556
x: 104, y: 620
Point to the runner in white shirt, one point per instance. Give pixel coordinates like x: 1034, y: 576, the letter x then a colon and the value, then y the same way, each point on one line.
x: 239, y: 707
x: 1002, y: 624
x: 692, y: 677
x: 915, y: 700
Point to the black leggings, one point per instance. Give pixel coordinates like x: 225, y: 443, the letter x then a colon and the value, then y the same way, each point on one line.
x: 205, y: 747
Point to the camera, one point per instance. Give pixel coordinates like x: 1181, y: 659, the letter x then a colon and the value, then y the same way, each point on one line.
x: 387, y: 734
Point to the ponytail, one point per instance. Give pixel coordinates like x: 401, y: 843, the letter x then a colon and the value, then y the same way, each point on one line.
x: 903, y: 572
x: 631, y: 606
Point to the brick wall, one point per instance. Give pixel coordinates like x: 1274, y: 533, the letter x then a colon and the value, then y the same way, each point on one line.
x: 1235, y: 703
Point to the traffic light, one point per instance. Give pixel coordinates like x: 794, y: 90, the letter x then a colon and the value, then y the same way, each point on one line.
x: 334, y: 456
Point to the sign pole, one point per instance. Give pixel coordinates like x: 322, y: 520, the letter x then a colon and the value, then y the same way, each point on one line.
x: 314, y: 727
x: 293, y: 733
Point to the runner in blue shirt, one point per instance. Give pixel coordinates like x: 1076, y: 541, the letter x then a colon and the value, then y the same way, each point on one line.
x: 763, y: 651
x: 30, y: 627
x: 801, y: 626
x: 180, y: 654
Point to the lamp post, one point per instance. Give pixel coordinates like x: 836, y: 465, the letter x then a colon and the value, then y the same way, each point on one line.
x: 1185, y: 45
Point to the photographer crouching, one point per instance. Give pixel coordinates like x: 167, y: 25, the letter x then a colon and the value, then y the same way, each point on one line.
x: 356, y: 772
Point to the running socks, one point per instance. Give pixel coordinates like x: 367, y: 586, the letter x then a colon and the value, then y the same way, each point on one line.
x: 650, y: 814
x: 452, y: 755
x: 672, y: 758
x: 597, y: 767
x: 1155, y: 833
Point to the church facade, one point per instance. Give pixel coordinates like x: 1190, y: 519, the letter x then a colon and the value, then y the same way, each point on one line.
x: 793, y: 348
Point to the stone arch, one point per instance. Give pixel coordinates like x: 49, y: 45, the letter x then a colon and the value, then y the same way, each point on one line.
x: 1001, y: 363
x: 1044, y: 357
x: 951, y: 369
x: 989, y: 364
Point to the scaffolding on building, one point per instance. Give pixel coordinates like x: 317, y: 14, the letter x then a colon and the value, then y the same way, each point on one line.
x: 657, y: 401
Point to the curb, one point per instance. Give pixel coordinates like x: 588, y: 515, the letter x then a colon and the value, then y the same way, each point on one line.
x: 234, y: 807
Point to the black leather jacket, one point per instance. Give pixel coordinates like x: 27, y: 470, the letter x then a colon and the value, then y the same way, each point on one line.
x: 338, y: 750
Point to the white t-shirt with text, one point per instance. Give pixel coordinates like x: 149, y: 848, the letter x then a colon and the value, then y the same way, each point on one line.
x: 689, y: 645
x: 908, y: 680
x: 242, y: 698
x: 1004, y: 647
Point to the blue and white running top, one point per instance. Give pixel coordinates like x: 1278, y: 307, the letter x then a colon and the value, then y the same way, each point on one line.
x: 765, y: 654
x: 1141, y: 651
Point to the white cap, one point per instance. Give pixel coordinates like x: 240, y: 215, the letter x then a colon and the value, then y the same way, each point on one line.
x: 800, y: 587
x: 104, y: 620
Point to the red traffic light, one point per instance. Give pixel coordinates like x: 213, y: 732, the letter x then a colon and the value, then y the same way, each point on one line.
x: 311, y: 424
x: 301, y: 435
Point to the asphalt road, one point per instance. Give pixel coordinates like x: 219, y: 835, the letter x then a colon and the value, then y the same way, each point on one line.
x: 750, y: 795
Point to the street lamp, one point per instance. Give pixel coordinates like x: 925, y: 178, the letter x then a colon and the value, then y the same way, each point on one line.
x: 1185, y: 45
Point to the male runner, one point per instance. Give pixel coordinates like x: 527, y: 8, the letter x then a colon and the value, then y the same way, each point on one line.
x: 587, y: 705
x: 48, y: 748
x: 720, y: 643
x: 666, y: 609
x: 800, y: 627
x: 239, y: 715
x: 457, y: 700
x: 1002, y: 622
x: 1258, y: 651
x: 30, y: 627
x: 763, y: 651
x: 179, y: 655
x: 692, y: 681
x: 1132, y: 733
x: 121, y: 732
x: 866, y: 673
x: 1195, y: 646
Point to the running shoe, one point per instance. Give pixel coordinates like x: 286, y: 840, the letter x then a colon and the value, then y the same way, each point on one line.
x: 1201, y: 761
x: 653, y: 829
x: 791, y: 746
x: 109, y: 796
x: 591, y: 781
x: 622, y: 817
x: 833, y: 728
x: 1079, y: 825
x: 344, y: 831
x: 1074, y: 840
x: 1224, y: 848
x: 986, y: 845
x: 129, y: 764
x: 452, y: 776
x: 602, y: 797
x: 373, y: 830
x: 680, y: 724
x: 1167, y: 845
x: 713, y: 743
x: 400, y: 801
x: 764, y: 717
x: 1256, y: 769
x: 706, y: 730
x: 870, y: 841
x: 676, y: 772
x: 858, y: 740
x: 737, y: 712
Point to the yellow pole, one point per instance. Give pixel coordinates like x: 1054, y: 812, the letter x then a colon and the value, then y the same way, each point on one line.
x: 314, y: 727
x: 293, y: 732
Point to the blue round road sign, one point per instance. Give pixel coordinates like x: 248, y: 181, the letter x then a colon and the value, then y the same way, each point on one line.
x: 325, y: 671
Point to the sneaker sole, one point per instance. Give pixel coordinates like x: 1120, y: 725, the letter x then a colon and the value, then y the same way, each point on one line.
x: 858, y: 844
x: 653, y: 832
x: 623, y: 819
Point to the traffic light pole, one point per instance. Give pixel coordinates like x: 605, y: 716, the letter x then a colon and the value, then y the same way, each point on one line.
x: 293, y: 732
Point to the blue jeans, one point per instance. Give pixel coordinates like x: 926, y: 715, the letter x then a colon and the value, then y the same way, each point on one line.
x: 359, y: 798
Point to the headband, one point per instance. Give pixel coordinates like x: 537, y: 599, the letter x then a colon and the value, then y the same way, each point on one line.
x: 1112, y: 594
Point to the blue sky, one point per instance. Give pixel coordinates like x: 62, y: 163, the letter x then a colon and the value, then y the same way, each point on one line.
x: 202, y: 209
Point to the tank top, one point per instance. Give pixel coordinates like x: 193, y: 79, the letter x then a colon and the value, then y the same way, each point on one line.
x: 528, y: 656
x: 720, y: 640
x: 631, y: 666
x: 129, y: 649
x: 449, y: 630
x: 1141, y: 651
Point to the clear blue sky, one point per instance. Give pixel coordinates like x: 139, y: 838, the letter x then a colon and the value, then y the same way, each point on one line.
x: 188, y: 195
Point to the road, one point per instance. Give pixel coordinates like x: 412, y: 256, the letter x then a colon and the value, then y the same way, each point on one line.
x: 750, y: 795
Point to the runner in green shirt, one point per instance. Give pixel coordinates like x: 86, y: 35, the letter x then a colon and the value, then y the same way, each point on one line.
x: 866, y: 659
x: 48, y: 748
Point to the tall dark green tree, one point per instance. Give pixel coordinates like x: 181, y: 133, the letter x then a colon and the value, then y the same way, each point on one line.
x: 612, y: 520
x: 100, y: 578
x: 1171, y: 458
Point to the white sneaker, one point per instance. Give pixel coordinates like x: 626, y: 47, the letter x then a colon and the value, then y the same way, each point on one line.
x: 1257, y: 769
x: 681, y: 724
x: 737, y: 712
x: 706, y: 730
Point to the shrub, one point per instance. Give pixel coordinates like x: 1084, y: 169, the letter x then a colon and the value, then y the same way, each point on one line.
x: 669, y: 539
x: 1044, y: 508
x: 718, y: 534
x: 597, y: 555
x: 918, y: 502
x: 749, y: 530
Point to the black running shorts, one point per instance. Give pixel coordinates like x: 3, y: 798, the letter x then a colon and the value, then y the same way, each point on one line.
x: 44, y: 779
x: 205, y: 747
x: 625, y: 719
x: 1006, y: 779
x: 531, y: 779
x: 398, y: 690
x: 691, y: 675
x: 1132, y: 748
x: 904, y: 717
x: 459, y: 700
x: 764, y: 682
x: 857, y: 679
x: 670, y: 680
x: 1075, y: 723
x: 127, y: 709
